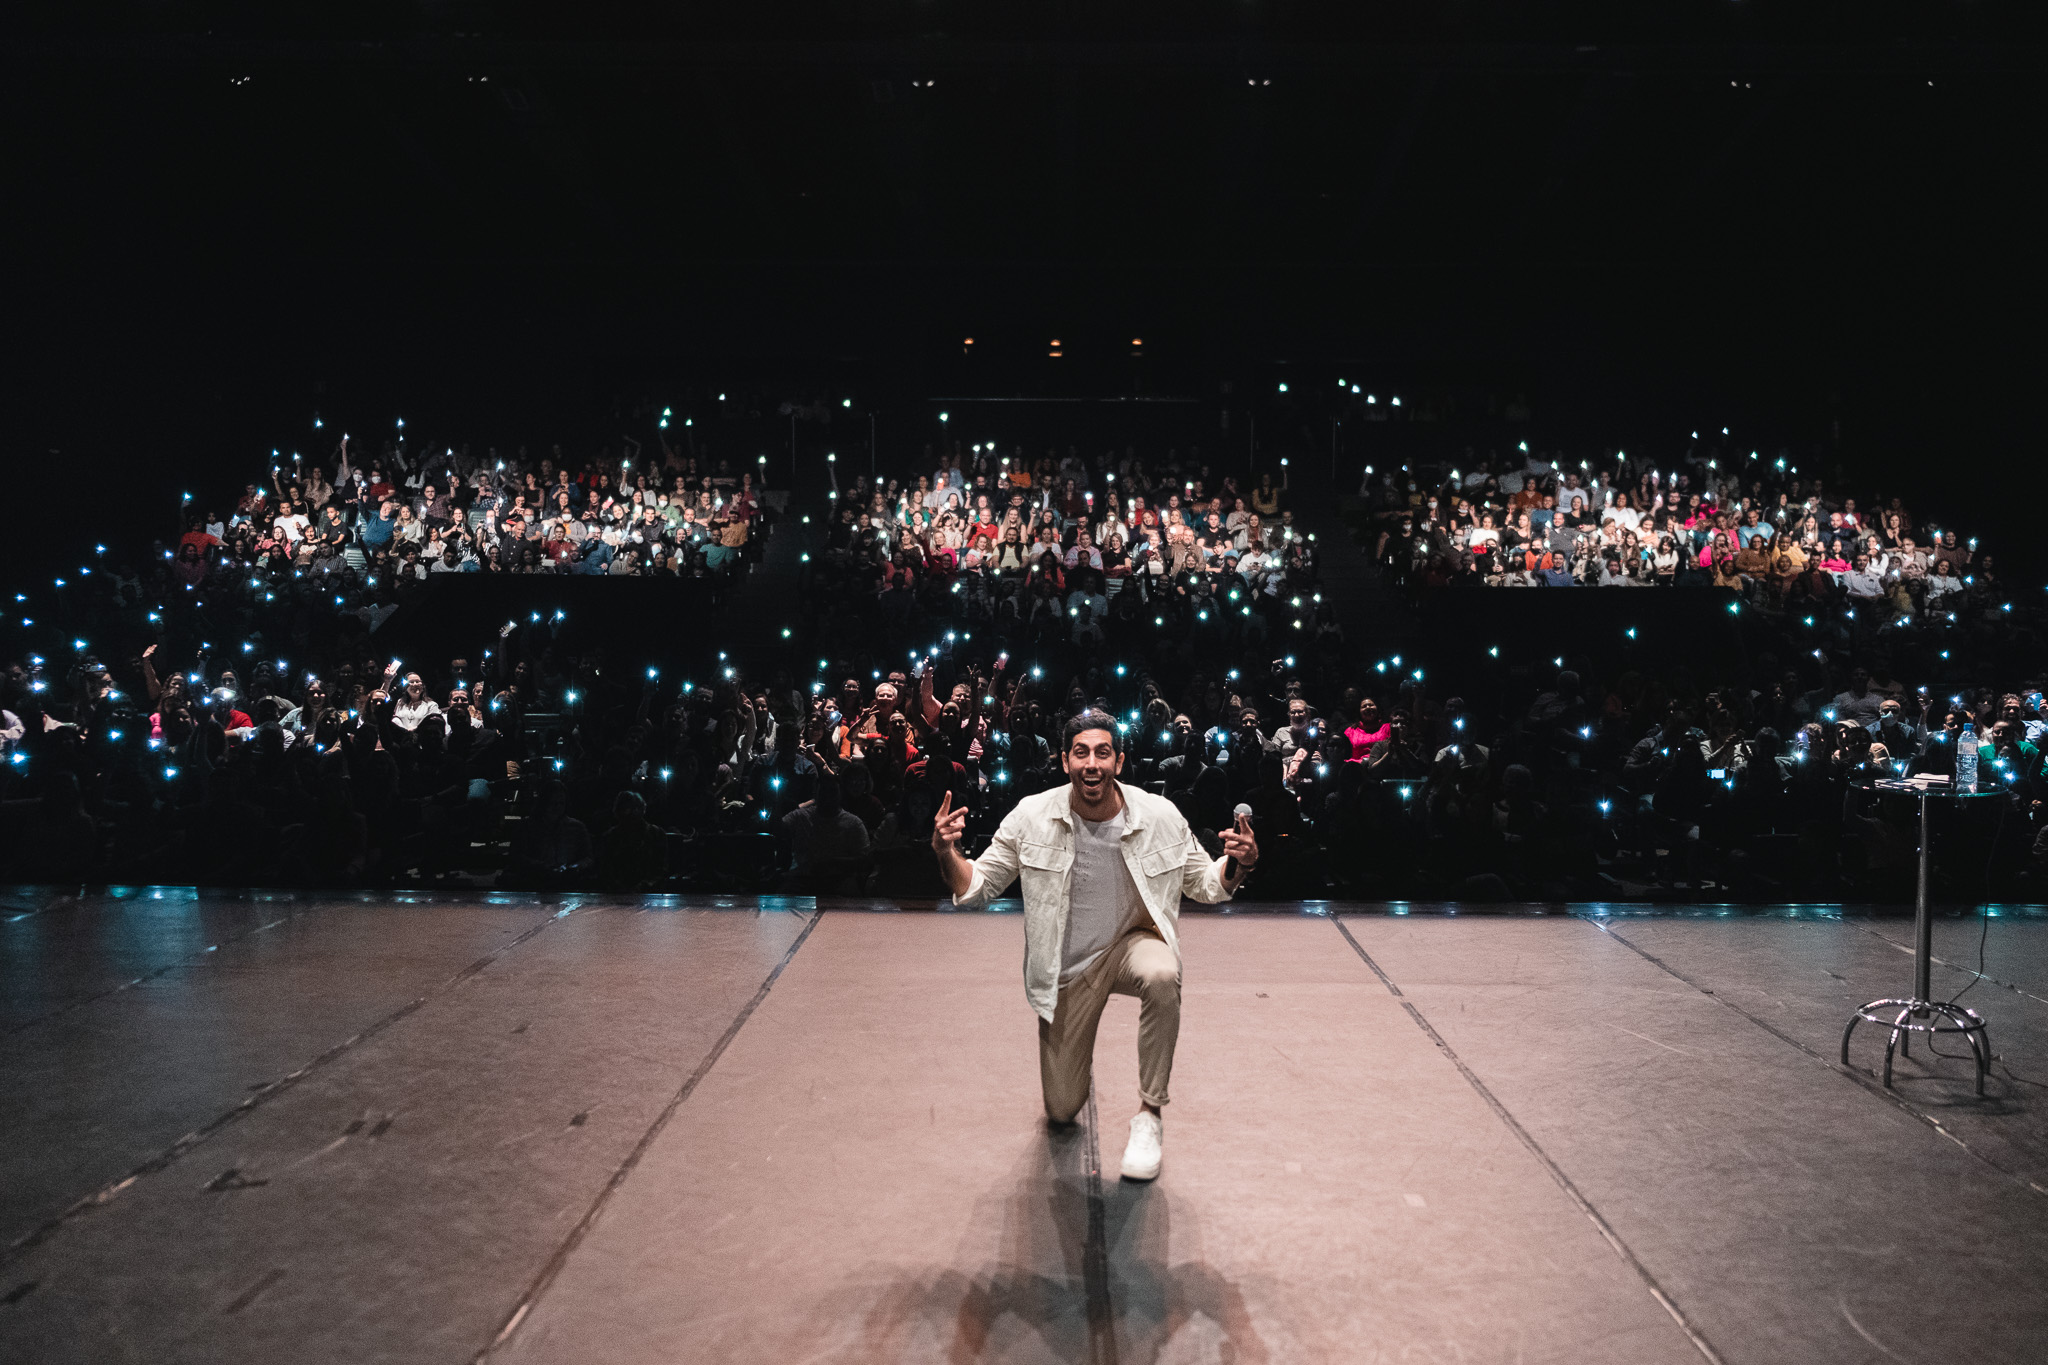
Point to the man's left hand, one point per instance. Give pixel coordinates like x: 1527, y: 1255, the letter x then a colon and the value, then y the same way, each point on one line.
x: 1239, y: 844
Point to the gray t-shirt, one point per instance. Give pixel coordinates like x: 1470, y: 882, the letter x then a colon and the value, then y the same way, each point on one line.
x: 1104, y: 900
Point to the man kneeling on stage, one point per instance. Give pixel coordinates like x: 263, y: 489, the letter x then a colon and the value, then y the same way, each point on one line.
x: 1104, y: 869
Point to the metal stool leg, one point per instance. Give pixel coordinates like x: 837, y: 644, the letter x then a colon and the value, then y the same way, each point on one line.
x: 1972, y: 1029
x: 1899, y: 1031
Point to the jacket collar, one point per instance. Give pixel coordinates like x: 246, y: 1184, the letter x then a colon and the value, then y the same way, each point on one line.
x: 1134, y: 816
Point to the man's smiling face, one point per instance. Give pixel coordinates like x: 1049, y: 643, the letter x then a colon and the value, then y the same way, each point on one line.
x: 1092, y: 763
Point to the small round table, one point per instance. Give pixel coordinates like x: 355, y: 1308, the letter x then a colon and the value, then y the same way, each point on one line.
x: 1905, y: 1023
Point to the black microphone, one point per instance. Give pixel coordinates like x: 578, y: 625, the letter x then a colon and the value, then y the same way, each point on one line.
x: 1230, y: 869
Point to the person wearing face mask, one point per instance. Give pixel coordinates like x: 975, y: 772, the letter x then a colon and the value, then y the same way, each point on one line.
x: 1896, y: 731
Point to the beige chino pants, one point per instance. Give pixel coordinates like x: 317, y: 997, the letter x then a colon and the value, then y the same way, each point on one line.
x: 1138, y: 964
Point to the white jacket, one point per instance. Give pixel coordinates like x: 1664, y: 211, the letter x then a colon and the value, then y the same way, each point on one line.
x: 1036, y: 841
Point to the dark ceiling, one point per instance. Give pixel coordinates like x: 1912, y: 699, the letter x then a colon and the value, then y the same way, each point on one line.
x: 1227, y: 137
x: 219, y: 211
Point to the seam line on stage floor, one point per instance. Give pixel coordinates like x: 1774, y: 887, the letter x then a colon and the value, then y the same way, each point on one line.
x: 1095, y: 1252
x: 190, y: 959
x: 1869, y: 1084
x: 14, y: 914
x: 1866, y: 927
x: 562, y: 1253
x: 270, y: 1091
x: 1535, y: 1149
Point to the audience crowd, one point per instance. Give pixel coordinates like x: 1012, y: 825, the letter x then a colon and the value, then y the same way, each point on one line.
x: 1753, y: 526
x: 224, y: 711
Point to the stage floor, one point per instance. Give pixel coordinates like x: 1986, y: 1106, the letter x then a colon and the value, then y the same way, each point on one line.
x: 413, y: 1128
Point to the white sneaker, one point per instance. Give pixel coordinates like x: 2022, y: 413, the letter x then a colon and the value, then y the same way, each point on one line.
x: 1142, y: 1156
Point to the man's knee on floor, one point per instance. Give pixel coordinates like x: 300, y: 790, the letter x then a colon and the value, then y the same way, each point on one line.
x: 1060, y: 1111
x: 1063, y: 1102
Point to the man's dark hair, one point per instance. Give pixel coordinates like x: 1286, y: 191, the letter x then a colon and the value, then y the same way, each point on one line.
x: 1091, y: 719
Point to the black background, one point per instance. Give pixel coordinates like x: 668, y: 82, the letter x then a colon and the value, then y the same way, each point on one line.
x: 506, y: 225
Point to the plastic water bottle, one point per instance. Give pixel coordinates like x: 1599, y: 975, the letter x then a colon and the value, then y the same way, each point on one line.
x: 1966, y: 759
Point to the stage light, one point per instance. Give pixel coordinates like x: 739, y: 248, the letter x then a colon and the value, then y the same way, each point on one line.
x: 943, y: 416
x: 1283, y: 388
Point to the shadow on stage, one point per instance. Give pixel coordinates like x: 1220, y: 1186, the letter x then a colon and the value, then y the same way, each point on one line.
x: 1067, y: 1270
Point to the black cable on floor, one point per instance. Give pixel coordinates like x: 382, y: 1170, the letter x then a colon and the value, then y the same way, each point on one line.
x: 1983, y: 937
